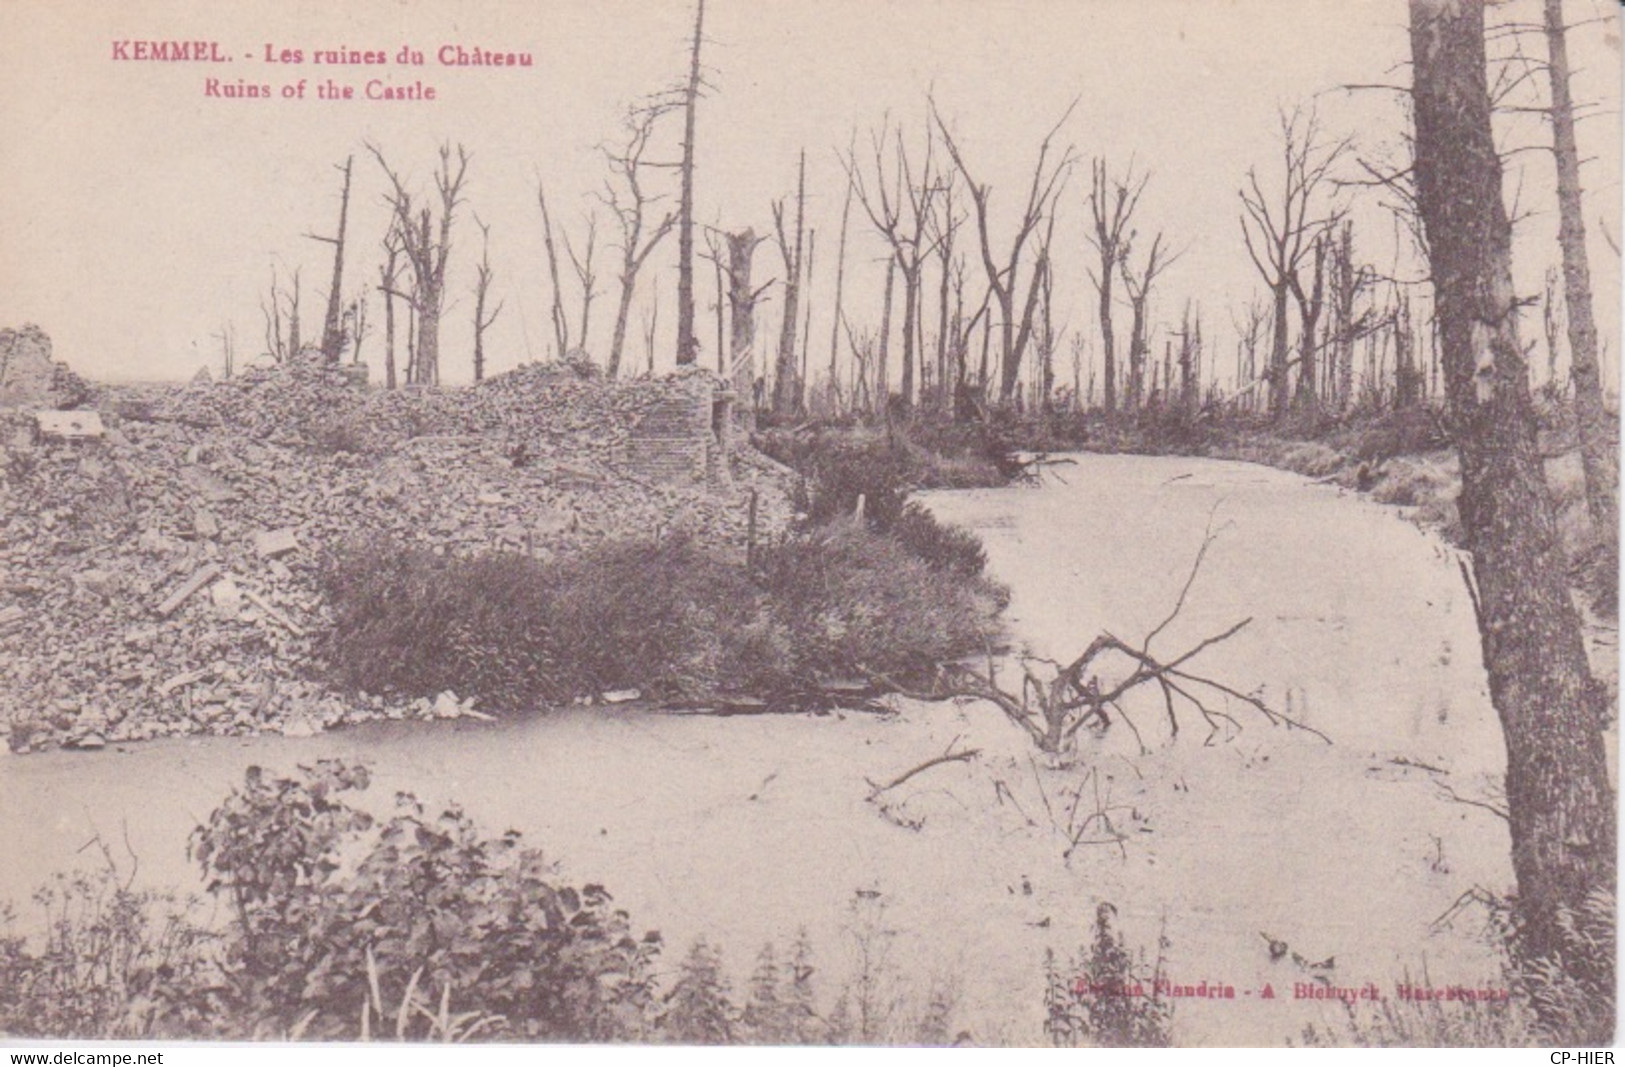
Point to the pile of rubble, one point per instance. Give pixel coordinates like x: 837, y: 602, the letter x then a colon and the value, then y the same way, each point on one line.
x: 158, y: 571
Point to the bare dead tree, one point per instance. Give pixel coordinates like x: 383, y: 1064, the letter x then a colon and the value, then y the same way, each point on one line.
x: 227, y: 336
x: 356, y: 328
x: 585, y: 272
x: 742, y: 298
x: 840, y: 286
x: 1003, y: 279
x: 1407, y: 375
x: 482, y: 288
x: 388, y: 280
x: 1559, y: 798
x: 805, y: 382
x: 1280, y: 232
x: 426, y: 243
x: 1348, y: 281
x: 688, y: 343
x: 1190, y: 358
x: 1044, y: 337
x: 882, y: 390
x: 1138, y: 283
x: 1111, y: 210
x: 561, y: 321
x: 898, y: 203
x: 862, y: 346
x: 786, y: 380
x: 628, y: 201
x: 332, y: 325
x: 1550, y: 320
x: 945, y: 220
x: 1590, y: 414
x: 651, y: 320
x: 280, y: 308
x: 1311, y: 301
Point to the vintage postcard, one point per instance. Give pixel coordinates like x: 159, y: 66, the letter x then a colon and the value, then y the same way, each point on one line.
x: 931, y: 522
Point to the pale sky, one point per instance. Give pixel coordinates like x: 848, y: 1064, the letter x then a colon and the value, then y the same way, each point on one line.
x: 140, y: 217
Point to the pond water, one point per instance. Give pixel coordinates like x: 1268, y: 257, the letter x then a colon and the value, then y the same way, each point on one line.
x: 748, y: 828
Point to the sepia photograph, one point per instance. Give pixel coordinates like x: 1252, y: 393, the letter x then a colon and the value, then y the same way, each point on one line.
x: 907, y: 523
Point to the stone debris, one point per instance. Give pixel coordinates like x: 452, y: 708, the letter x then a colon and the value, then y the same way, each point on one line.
x: 203, y: 576
x: 238, y: 488
x: 69, y: 425
x: 269, y: 544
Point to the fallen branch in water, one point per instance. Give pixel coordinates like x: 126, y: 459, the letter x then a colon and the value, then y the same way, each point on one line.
x: 950, y: 756
x: 1053, y: 710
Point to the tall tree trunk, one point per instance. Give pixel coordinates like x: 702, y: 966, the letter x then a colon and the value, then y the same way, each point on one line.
x: 911, y: 310
x: 688, y: 345
x: 561, y: 322
x: 1559, y: 801
x: 785, y: 390
x: 428, y: 354
x: 617, y: 340
x: 722, y: 295
x: 1107, y: 342
x: 333, y: 324
x: 742, y: 301
x: 389, y: 341
x: 1344, y: 291
x: 388, y: 274
x: 1407, y: 376
x: 1137, y: 351
x: 803, y: 375
x: 1278, y: 355
x: 1592, y: 418
x: 944, y: 370
x: 1309, y: 308
x: 840, y: 284
x: 883, y: 373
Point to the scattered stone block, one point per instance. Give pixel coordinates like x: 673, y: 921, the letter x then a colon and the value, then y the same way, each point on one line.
x: 69, y: 425
x: 181, y: 681
x: 200, y: 578
x: 204, y: 524
x: 269, y: 544
x: 207, y: 484
x: 227, y: 596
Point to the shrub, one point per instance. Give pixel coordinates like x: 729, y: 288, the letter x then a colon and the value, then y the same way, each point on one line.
x: 698, y: 1009
x: 1406, y: 432
x: 1114, y: 1000
x: 947, y: 548
x: 858, y: 605
x: 666, y: 617
x: 410, y: 623
x: 663, y: 616
x: 331, y: 906
x: 841, y: 471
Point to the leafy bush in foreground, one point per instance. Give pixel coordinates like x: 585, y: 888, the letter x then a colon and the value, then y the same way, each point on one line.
x: 331, y: 906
